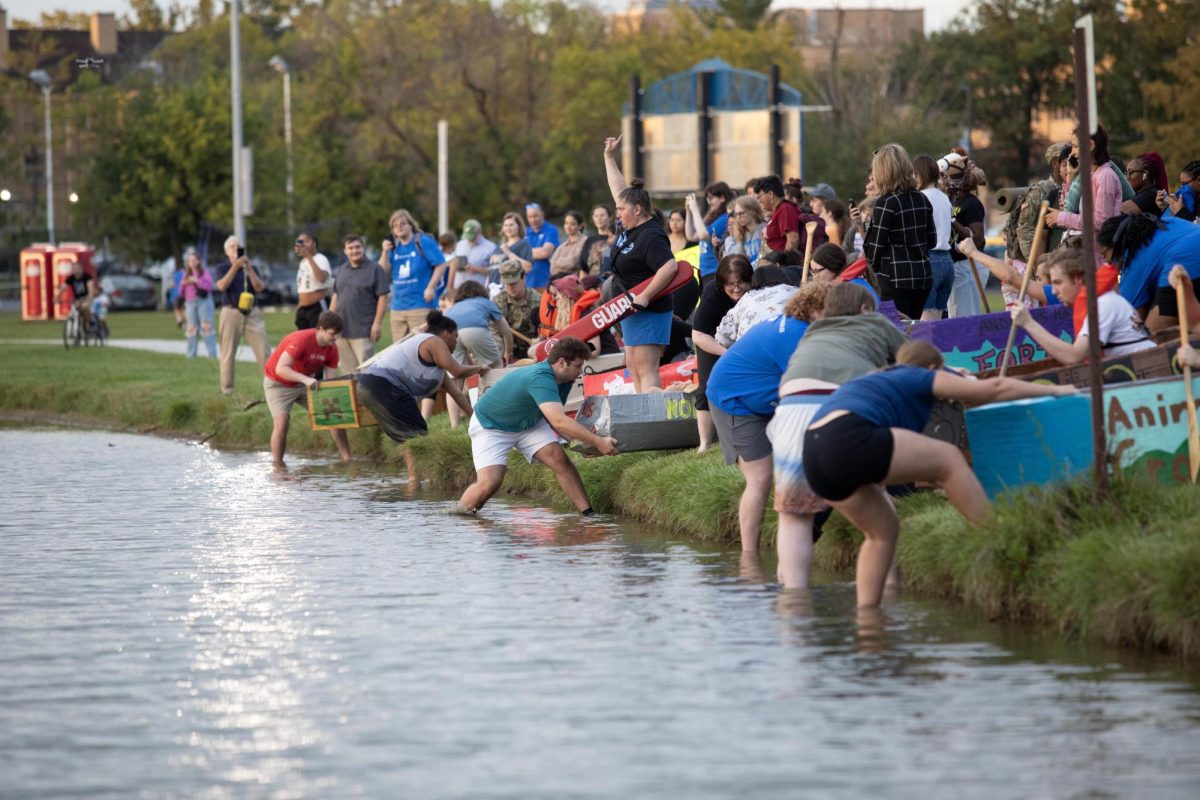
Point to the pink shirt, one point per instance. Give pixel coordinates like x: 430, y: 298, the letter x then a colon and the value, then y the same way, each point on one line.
x: 1106, y: 202
x: 204, y: 282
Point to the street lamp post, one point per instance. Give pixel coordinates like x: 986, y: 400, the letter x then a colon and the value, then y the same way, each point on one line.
x: 283, y: 68
x: 42, y: 79
x: 235, y: 97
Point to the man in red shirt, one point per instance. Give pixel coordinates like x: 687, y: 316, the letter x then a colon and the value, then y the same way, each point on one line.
x: 782, y: 234
x: 292, y: 368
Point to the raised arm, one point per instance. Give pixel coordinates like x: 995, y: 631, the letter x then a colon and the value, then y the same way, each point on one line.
x: 693, y: 225
x: 616, y: 181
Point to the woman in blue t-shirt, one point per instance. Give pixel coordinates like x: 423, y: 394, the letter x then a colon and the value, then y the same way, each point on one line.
x: 868, y: 435
x: 743, y: 391
x: 416, y: 265
x: 1145, y: 248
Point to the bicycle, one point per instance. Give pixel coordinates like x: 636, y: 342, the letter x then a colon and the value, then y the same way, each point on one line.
x: 75, y: 332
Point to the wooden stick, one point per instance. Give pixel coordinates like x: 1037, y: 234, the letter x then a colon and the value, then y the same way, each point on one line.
x: 987, y: 307
x: 1193, y: 426
x: 521, y: 336
x: 811, y: 229
x: 1030, y: 269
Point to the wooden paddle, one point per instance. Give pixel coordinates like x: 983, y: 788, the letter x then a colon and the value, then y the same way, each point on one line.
x: 987, y: 307
x: 811, y: 229
x: 1193, y: 427
x: 1030, y: 269
x: 521, y: 336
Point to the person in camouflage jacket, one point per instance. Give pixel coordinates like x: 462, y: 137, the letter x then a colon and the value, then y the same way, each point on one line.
x: 519, y: 304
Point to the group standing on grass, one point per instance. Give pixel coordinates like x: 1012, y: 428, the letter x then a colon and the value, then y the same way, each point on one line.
x: 809, y: 390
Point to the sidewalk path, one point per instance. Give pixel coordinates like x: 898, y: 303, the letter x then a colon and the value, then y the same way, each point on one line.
x: 168, y: 346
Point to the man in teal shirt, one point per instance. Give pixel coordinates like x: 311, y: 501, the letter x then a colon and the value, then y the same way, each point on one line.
x: 525, y: 410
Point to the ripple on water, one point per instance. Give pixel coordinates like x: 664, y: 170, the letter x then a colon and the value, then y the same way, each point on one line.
x: 177, y: 621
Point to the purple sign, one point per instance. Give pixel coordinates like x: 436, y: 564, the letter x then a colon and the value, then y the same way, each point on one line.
x: 977, y: 343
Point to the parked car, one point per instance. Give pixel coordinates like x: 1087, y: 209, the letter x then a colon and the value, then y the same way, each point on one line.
x: 130, y: 292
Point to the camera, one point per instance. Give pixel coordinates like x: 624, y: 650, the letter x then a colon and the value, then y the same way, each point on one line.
x: 241, y: 252
x: 299, y: 243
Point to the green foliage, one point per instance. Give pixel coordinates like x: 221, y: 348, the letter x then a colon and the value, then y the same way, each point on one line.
x: 744, y: 14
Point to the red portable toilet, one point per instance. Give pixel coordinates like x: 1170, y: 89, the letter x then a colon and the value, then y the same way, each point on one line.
x: 37, y: 294
x: 64, y: 258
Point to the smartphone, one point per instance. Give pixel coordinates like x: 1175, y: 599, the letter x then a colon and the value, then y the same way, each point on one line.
x: 241, y: 252
x: 851, y: 202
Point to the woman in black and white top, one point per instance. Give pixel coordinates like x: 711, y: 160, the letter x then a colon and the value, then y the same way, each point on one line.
x: 901, y: 234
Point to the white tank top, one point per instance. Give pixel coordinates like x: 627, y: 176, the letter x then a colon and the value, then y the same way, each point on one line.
x: 401, y: 365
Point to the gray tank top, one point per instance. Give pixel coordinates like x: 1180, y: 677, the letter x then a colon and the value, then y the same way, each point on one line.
x: 401, y: 365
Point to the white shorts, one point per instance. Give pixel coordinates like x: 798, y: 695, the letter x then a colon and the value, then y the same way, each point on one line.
x: 489, y: 448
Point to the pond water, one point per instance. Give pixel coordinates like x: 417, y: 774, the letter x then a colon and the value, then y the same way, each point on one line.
x: 181, y: 622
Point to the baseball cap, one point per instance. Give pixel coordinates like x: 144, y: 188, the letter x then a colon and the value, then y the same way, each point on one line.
x: 823, y: 191
x: 511, y: 271
x: 471, y: 229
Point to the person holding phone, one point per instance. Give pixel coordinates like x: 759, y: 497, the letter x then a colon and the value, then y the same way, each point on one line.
x: 314, y: 282
x: 231, y: 277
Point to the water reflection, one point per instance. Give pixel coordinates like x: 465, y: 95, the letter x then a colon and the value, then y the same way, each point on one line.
x: 206, y: 627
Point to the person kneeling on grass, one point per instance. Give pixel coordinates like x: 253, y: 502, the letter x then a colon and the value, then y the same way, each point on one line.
x: 867, y: 435
x: 392, y: 384
x: 1120, y: 327
x: 524, y: 409
x: 743, y: 391
x: 291, y: 371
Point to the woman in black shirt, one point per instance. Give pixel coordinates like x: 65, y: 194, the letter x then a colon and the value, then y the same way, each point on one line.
x: 642, y: 252
x: 718, y: 297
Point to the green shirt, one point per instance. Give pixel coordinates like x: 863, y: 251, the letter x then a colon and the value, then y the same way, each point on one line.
x: 512, y: 404
x: 837, y: 349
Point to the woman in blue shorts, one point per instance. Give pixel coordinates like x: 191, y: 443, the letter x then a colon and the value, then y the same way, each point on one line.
x: 641, y: 252
x: 867, y: 435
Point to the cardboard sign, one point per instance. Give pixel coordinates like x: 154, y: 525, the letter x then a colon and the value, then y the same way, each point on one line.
x: 655, y: 421
x: 1148, y: 429
x: 335, y: 404
x: 977, y: 343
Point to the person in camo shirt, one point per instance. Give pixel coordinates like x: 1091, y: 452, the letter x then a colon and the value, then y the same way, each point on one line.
x: 519, y: 304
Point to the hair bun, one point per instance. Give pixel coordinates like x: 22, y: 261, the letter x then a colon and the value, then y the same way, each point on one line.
x: 637, y: 183
x: 433, y: 317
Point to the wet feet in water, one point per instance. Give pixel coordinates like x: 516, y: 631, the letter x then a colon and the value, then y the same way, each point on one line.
x: 459, y: 510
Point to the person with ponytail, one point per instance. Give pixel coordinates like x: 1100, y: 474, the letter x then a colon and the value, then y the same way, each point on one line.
x: 1147, y: 176
x: 392, y: 385
x: 1120, y: 328
x: 1144, y: 249
x: 829, y: 264
x: 709, y: 228
x: 642, y: 252
x: 1107, y: 186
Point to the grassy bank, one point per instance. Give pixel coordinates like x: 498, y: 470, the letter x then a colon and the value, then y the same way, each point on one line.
x: 1123, y: 572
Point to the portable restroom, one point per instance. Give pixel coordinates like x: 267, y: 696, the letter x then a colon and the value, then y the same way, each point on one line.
x: 37, y: 293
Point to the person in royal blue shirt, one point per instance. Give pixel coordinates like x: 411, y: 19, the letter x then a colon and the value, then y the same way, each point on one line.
x: 710, y: 228
x: 416, y: 265
x: 1145, y: 248
x: 543, y: 238
x: 867, y: 435
x: 743, y: 391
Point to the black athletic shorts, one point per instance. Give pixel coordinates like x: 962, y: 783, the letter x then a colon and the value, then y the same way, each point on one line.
x: 307, y: 316
x: 842, y: 455
x: 1168, y: 303
x: 394, y: 407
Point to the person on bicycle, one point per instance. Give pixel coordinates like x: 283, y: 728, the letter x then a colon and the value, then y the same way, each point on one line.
x: 84, y: 289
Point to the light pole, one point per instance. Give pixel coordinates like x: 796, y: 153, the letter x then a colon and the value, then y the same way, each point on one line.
x: 235, y: 97
x: 42, y: 79
x: 282, y: 67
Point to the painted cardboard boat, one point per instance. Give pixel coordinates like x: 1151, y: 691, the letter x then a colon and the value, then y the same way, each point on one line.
x: 1036, y: 441
x: 639, y: 422
x: 977, y: 343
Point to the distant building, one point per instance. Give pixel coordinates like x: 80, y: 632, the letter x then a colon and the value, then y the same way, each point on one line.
x: 857, y: 32
x: 654, y: 14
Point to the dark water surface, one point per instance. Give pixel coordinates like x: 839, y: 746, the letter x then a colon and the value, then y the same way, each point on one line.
x: 179, y: 622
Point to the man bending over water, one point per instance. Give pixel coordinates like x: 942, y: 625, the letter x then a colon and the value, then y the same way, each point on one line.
x: 525, y: 410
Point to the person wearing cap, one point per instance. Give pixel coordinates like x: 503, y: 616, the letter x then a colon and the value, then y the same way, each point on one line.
x: 959, y: 182
x: 472, y: 256
x: 361, y: 291
x: 519, y: 304
x: 314, y: 282
x: 1025, y: 224
x: 542, y: 238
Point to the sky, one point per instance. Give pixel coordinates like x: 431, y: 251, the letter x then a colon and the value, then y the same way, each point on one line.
x: 937, y: 12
